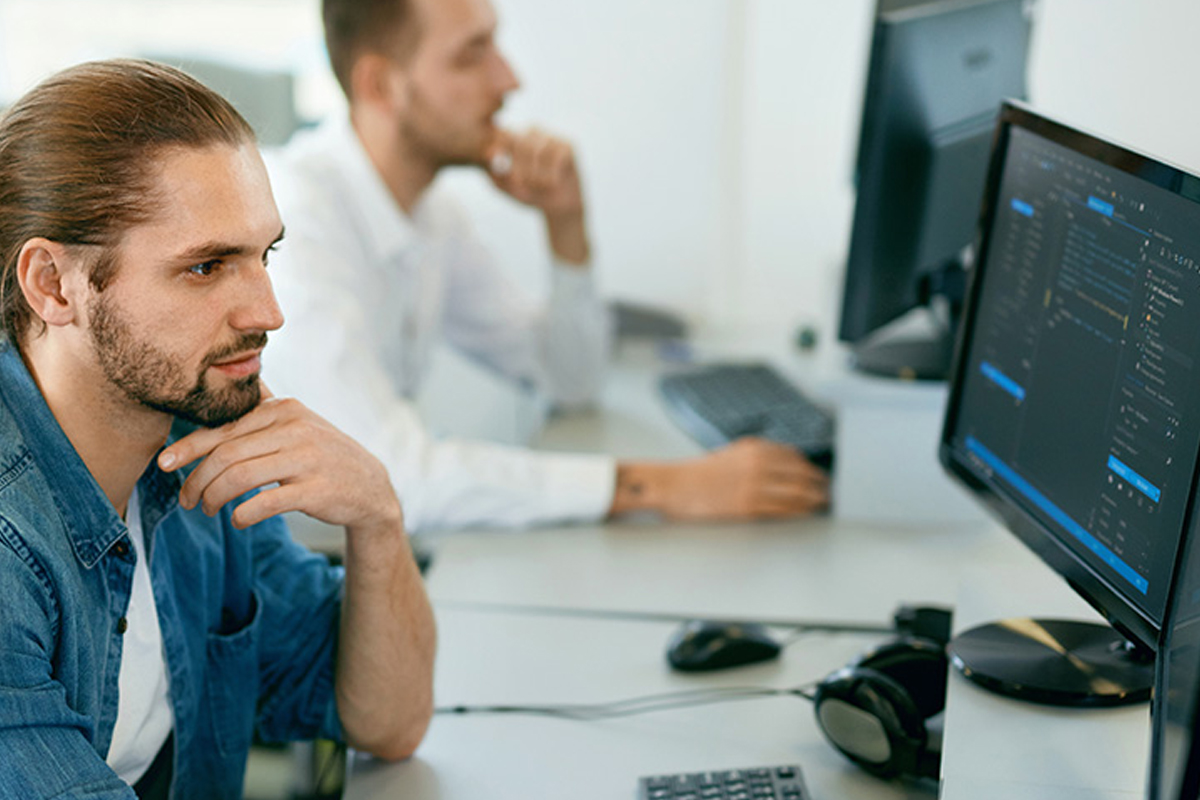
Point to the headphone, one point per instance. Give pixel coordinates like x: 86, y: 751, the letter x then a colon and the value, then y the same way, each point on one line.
x: 874, y: 710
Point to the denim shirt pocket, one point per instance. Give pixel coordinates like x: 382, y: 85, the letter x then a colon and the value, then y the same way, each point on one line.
x: 232, y: 685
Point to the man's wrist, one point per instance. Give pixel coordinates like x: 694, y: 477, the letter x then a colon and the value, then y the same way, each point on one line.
x: 641, y: 486
x: 378, y: 538
x: 569, y: 239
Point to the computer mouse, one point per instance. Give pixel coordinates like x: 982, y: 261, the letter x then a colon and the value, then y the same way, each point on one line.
x: 701, y: 645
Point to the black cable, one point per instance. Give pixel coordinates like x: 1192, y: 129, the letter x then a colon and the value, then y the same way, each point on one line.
x: 636, y: 705
x: 654, y: 616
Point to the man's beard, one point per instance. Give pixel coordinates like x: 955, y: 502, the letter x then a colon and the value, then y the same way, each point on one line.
x: 149, y: 376
x: 441, y: 147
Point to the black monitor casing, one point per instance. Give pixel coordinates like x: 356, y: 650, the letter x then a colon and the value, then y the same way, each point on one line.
x: 1174, y: 772
x: 937, y: 74
x: 1137, y: 626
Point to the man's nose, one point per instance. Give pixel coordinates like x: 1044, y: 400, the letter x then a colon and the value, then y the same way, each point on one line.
x: 506, y: 79
x: 259, y: 309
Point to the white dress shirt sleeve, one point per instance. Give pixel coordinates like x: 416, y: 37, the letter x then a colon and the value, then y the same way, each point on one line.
x: 561, y: 348
x: 324, y: 356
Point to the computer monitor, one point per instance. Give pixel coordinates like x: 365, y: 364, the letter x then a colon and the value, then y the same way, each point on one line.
x: 1179, y: 770
x: 938, y: 71
x: 1074, y: 408
x: 1175, y: 726
x: 1187, y: 785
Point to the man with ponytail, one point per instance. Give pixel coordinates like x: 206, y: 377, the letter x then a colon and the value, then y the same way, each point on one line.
x: 156, y: 614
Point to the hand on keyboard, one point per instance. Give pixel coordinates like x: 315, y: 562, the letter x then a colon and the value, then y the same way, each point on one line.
x: 718, y: 403
x: 749, y: 479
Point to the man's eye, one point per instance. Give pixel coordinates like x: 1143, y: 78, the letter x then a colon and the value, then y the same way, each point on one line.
x: 472, y: 55
x: 205, y: 269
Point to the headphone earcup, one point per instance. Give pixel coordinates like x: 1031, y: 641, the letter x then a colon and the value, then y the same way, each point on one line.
x: 871, y: 720
x: 920, y: 666
x: 874, y: 710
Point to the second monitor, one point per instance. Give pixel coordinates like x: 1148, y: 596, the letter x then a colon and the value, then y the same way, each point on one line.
x: 937, y: 74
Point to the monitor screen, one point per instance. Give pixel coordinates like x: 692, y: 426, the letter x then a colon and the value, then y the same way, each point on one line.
x: 937, y: 74
x: 1074, y: 410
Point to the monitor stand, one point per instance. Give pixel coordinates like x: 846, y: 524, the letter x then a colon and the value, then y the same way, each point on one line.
x: 1055, y: 662
x: 917, y: 346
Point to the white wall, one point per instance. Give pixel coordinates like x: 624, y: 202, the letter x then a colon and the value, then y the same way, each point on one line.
x: 40, y: 36
x: 1125, y: 69
x: 642, y: 88
x: 715, y: 135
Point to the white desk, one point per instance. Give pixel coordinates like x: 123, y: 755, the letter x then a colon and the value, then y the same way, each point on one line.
x: 851, y: 566
x: 591, y: 661
x: 818, y: 568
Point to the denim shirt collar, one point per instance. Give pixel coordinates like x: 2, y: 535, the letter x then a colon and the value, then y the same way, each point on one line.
x: 92, y: 523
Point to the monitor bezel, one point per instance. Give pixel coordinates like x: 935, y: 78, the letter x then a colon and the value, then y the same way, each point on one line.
x: 1097, y: 589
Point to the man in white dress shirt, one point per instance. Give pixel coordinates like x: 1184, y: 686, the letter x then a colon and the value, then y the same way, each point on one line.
x: 380, y: 265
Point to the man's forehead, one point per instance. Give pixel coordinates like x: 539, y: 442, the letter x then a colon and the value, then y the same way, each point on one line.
x: 207, y: 167
x: 217, y: 193
x: 452, y: 23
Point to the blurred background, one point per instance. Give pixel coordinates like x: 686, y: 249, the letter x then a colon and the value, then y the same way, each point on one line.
x: 716, y: 136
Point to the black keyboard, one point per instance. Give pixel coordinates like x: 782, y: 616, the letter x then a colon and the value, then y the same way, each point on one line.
x: 760, y: 783
x: 719, y: 403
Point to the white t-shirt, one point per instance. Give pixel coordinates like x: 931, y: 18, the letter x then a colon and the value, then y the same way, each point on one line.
x: 144, y: 714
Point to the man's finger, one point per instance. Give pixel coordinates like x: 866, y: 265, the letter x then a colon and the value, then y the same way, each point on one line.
x: 202, y: 442
x: 224, y: 456
x: 549, y: 159
x: 797, y: 470
x: 498, y: 155
x: 268, y: 503
x: 523, y: 149
x: 500, y: 163
x: 244, y: 476
x: 789, y: 502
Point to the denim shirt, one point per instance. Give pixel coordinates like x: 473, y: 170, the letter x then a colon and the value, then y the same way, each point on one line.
x: 248, y: 618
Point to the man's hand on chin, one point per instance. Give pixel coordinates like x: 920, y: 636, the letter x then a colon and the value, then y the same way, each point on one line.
x: 316, y: 469
x: 540, y: 170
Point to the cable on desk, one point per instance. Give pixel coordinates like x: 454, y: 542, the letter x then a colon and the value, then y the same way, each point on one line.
x: 656, y: 616
x: 637, y: 705
x: 800, y: 634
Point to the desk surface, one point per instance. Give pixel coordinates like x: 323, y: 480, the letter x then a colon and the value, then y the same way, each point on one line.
x: 853, y: 566
x: 517, y: 757
x: 818, y: 568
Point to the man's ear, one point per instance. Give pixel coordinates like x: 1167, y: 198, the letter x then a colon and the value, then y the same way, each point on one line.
x: 50, y: 276
x: 377, y: 81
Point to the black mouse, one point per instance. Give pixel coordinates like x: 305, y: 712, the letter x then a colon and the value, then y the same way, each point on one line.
x: 702, y: 645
